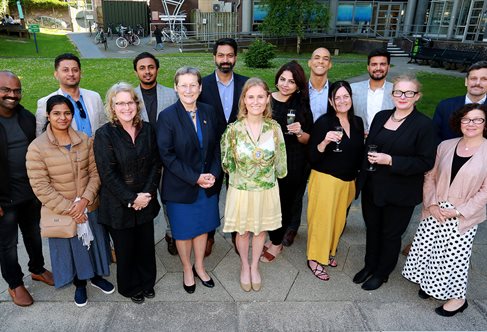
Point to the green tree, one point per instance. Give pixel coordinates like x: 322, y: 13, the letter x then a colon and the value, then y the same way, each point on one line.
x: 286, y: 17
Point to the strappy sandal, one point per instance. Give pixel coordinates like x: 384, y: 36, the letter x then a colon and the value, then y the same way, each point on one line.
x: 332, y: 262
x: 319, y: 271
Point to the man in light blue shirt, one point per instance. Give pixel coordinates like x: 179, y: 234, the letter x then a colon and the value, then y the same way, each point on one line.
x: 319, y: 64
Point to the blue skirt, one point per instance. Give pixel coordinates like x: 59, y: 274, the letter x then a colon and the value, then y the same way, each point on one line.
x: 69, y: 258
x: 190, y: 220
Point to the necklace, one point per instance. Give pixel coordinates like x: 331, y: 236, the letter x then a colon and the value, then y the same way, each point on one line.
x: 257, y: 153
x: 393, y: 118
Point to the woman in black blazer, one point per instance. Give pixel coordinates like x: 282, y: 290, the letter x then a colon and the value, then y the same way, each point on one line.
x: 406, y: 141
x: 187, y: 137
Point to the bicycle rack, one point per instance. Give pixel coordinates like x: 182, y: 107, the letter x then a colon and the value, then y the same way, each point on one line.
x: 172, y: 15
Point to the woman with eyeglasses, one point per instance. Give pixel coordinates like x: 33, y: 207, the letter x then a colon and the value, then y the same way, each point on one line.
x: 187, y: 138
x: 455, y: 195
x: 335, y: 159
x: 391, y: 179
x: 128, y: 162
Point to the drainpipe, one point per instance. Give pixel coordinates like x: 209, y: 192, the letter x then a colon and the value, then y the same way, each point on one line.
x: 453, y: 20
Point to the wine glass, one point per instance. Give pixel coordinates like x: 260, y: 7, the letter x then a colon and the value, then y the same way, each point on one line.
x: 371, y: 149
x: 339, y: 131
x: 291, y: 116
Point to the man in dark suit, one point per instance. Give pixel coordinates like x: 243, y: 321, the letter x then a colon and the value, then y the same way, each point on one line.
x: 222, y: 89
x: 476, y: 83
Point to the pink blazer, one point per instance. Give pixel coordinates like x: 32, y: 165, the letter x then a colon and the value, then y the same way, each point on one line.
x: 468, y: 191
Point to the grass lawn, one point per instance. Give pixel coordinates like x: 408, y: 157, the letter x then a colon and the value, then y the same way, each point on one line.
x: 50, y: 45
x: 36, y: 70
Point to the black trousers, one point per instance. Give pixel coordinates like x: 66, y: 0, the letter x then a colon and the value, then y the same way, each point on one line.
x: 385, y: 226
x: 25, y: 216
x: 136, y: 258
x: 290, y: 195
x: 298, y: 203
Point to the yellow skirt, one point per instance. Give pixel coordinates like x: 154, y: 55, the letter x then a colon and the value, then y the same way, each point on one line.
x: 252, y: 211
x: 328, y: 200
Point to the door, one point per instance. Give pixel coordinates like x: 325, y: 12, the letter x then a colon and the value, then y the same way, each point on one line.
x: 388, y: 19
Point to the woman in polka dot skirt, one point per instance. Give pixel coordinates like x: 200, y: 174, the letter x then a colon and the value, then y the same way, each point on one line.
x: 455, y: 195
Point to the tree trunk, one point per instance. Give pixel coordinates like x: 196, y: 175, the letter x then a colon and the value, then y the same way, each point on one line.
x: 298, y: 44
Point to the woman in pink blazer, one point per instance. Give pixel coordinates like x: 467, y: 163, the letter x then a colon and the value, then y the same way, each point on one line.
x: 455, y: 195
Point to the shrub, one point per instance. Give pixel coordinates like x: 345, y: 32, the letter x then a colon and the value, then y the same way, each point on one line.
x: 259, y: 54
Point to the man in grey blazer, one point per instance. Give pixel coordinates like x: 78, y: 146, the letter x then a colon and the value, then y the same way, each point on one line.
x: 89, y: 113
x: 375, y: 94
x: 155, y: 96
x: 155, y: 99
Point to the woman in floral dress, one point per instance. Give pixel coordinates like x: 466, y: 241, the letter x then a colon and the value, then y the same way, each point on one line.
x: 254, y: 155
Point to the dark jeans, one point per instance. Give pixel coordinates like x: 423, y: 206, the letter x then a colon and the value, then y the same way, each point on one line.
x: 136, y: 258
x: 385, y: 226
x: 25, y: 216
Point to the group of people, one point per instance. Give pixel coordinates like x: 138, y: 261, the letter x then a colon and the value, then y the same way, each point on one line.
x: 110, y: 167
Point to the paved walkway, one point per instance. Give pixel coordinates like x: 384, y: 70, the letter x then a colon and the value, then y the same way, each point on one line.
x: 291, y: 299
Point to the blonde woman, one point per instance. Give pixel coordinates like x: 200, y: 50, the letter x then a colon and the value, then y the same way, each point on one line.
x: 254, y: 156
x: 128, y: 162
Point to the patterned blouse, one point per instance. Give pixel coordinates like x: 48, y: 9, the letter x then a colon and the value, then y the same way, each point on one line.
x: 253, y: 166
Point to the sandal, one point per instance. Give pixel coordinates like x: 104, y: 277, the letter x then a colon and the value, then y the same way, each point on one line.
x: 332, y: 262
x: 268, y: 256
x: 319, y: 271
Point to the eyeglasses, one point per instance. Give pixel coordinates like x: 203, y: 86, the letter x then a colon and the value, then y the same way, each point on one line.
x: 185, y: 87
x: 82, y: 112
x: 407, y: 94
x: 475, y: 121
x: 6, y: 90
x: 129, y: 104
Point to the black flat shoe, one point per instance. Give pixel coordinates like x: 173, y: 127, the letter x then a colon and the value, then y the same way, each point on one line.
x: 445, y: 313
x: 422, y: 294
x: 209, y: 283
x: 362, y: 275
x: 138, y: 298
x: 149, y: 293
x: 189, y: 289
x: 374, y: 283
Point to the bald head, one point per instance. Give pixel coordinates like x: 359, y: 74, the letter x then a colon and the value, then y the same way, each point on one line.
x: 10, y: 92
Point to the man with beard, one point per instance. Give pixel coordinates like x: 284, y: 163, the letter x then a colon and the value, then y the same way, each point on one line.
x: 319, y: 65
x: 156, y: 98
x: 18, y: 205
x: 221, y: 89
x: 375, y: 94
x: 476, y: 83
x: 89, y: 113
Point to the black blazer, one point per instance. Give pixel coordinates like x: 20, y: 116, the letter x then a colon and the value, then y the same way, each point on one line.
x: 413, y: 150
x: 125, y: 169
x: 180, y: 152
x: 210, y: 95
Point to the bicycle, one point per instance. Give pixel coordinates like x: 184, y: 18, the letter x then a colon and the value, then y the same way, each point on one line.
x: 127, y: 38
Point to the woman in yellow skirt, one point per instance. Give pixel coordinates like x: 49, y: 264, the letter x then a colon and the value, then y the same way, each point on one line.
x: 336, y: 149
x: 254, y: 156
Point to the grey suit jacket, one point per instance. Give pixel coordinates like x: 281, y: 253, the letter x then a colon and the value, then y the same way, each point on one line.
x: 359, y: 95
x: 165, y: 98
x: 93, y: 103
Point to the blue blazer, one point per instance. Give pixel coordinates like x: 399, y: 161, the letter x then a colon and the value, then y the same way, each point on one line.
x: 181, y: 155
x: 210, y: 95
x: 442, y: 115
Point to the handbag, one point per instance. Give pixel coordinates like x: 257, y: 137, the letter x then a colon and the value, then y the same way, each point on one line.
x: 55, y: 225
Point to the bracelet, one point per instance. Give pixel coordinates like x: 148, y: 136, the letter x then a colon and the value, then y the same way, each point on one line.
x: 300, y: 133
x: 458, y: 212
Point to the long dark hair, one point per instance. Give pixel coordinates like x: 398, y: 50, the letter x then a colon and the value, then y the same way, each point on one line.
x: 57, y: 100
x: 302, y: 93
x: 331, y: 97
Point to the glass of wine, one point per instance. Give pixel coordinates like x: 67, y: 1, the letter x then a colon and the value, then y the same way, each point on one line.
x: 339, y: 131
x: 291, y: 116
x: 371, y: 149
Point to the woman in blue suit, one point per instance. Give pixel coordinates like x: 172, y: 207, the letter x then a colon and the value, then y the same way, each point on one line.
x: 187, y: 138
